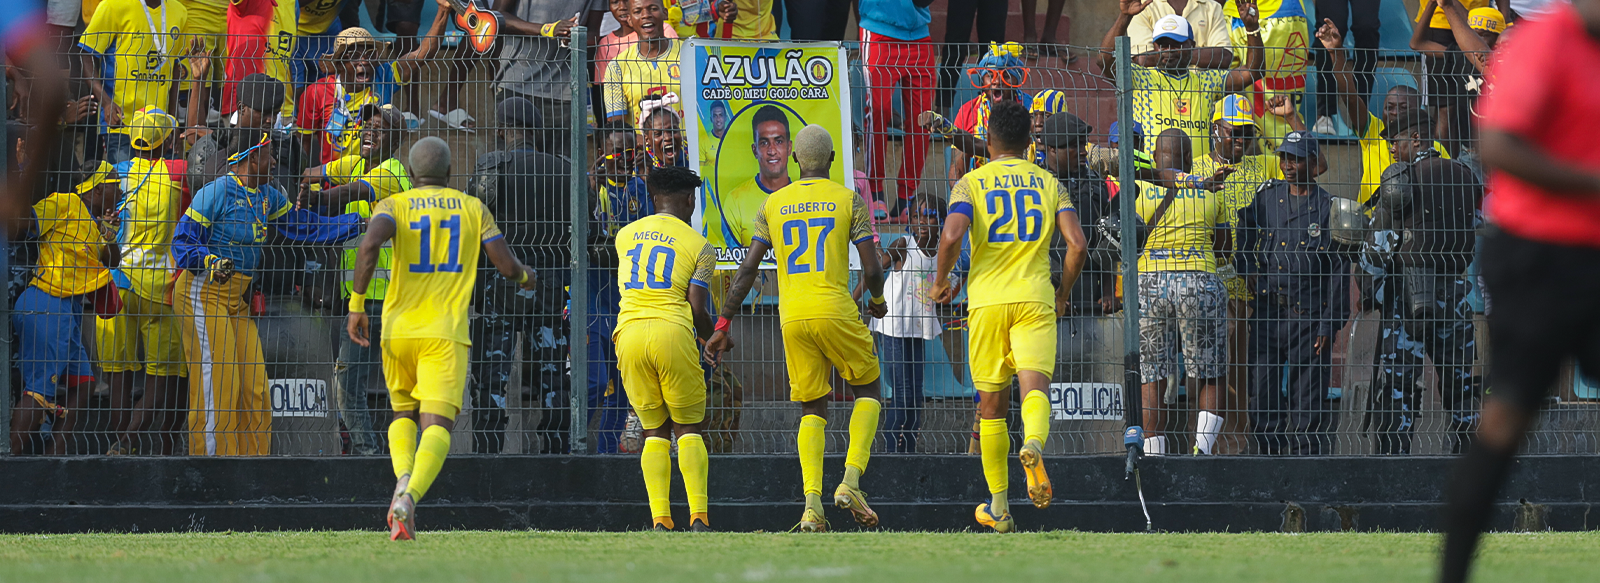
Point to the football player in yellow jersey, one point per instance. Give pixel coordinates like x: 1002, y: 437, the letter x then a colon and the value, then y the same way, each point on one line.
x: 813, y: 223
x: 1011, y: 324
x: 434, y: 229
x: 664, y: 269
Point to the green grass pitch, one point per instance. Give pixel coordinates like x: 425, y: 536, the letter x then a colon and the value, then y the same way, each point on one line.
x: 355, y: 557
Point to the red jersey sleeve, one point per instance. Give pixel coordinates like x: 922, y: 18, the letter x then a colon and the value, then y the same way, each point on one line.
x: 316, y: 103
x: 1530, y: 66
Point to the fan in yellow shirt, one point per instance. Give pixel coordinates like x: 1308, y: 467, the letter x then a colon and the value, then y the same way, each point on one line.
x: 646, y: 69
x: 813, y: 223
x: 143, y: 41
x: 73, y: 256
x: 664, y: 271
x: 1009, y: 206
x: 436, y: 232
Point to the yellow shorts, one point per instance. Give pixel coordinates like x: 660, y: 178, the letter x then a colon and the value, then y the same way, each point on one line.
x: 430, y: 373
x: 660, y: 366
x: 118, y: 339
x: 813, y: 348
x: 1005, y: 338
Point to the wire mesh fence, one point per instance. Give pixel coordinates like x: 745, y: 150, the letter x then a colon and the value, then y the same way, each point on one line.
x: 1296, y: 290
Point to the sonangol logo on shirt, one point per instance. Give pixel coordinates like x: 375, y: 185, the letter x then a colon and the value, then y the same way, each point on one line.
x: 1181, y: 105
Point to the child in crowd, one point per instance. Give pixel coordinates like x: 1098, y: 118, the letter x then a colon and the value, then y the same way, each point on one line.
x: 912, y: 320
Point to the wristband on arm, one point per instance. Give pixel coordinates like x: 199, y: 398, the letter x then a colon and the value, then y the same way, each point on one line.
x: 526, y: 273
x: 877, y: 300
x: 358, y: 302
x: 548, y: 29
x: 723, y: 324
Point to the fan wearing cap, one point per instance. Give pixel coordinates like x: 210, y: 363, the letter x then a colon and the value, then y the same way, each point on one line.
x: 155, y: 192
x: 1299, y: 276
x: 1065, y: 141
x: 1399, y: 102
x: 361, y: 75
x: 1213, y: 49
x: 73, y: 255
x: 359, y: 181
x: 975, y: 149
x: 218, y: 247
x: 259, y: 100
x: 1167, y: 92
x: 998, y: 75
x: 1426, y: 238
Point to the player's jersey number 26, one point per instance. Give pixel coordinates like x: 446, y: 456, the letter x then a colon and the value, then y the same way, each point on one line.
x: 1016, y: 216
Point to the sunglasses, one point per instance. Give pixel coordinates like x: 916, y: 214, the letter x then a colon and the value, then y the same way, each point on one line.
x: 625, y: 154
x: 1009, y: 77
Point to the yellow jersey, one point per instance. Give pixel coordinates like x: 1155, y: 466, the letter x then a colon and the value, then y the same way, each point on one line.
x: 1183, y: 239
x: 1439, y: 20
x: 630, y: 78
x: 149, y: 212
x: 1013, y: 204
x: 69, y: 247
x: 139, y: 66
x: 1162, y: 102
x: 208, y: 17
x: 386, y: 179
x: 317, y: 15
x: 1250, y: 173
x: 812, y: 252
x: 437, y: 231
x: 658, y: 258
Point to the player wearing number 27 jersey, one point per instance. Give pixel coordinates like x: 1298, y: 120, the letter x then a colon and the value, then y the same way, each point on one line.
x: 810, y: 226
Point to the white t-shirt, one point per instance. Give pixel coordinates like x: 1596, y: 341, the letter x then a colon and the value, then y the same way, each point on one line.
x: 909, y: 291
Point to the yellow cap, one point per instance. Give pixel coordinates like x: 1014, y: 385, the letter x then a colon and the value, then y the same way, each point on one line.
x: 149, y: 127
x: 1486, y: 19
x: 101, y: 175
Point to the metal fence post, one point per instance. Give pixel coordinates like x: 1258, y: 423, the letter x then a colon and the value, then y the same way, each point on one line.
x: 5, y: 285
x: 1133, y: 410
x: 578, y: 335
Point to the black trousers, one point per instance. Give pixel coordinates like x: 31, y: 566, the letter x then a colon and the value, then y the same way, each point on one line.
x: 1544, y: 313
x: 818, y: 20
x: 1288, y: 386
x: 1357, y: 21
x: 1406, y: 340
x: 961, y: 15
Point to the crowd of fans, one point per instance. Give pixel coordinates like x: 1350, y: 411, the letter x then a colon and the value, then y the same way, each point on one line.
x: 206, y: 136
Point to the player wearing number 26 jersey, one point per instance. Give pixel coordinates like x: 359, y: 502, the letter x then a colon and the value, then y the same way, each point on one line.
x: 1011, y: 210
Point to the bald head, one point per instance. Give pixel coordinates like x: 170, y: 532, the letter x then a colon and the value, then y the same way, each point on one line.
x: 813, y: 150
x: 430, y: 160
x: 1174, y: 150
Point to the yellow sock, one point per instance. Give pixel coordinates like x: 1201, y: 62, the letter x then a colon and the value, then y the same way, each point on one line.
x: 656, y: 463
x: 430, y: 458
x: 402, y: 445
x: 1036, y: 417
x: 863, y: 430
x: 692, y: 462
x: 996, y: 446
x: 811, y: 445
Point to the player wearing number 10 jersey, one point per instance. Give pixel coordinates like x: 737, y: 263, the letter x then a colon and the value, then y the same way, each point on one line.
x: 1007, y: 205
x: 810, y: 226
x: 663, y: 269
x: 436, y: 232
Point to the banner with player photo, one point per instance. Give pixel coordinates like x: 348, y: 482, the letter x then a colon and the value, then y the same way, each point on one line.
x: 743, y: 103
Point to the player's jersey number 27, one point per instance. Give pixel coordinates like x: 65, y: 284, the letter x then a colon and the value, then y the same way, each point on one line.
x: 808, y: 253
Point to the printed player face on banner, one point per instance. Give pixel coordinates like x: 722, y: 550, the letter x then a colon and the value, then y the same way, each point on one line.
x: 744, y: 102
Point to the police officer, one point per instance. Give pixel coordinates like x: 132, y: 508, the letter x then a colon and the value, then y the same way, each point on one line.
x: 1084, y: 337
x: 1299, y: 275
x: 1426, y: 215
x: 529, y: 193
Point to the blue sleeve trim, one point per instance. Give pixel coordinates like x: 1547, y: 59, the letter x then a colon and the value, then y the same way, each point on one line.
x: 702, y: 284
x: 489, y: 240
x: 962, y: 208
x: 1071, y: 210
x: 866, y: 238
x: 763, y: 241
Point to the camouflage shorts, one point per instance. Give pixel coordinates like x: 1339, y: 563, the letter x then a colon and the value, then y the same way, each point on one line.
x: 1190, y: 306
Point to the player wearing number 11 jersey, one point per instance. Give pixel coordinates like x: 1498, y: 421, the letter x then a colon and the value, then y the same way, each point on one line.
x: 663, y: 268
x: 1008, y: 206
x: 436, y: 233
x: 810, y: 226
